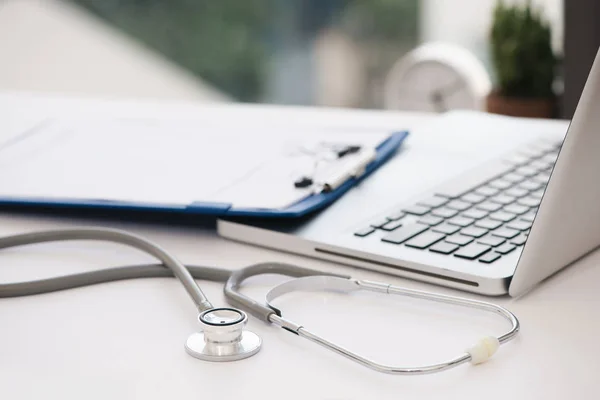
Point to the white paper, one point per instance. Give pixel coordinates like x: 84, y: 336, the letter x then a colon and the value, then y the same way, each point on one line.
x: 167, y: 162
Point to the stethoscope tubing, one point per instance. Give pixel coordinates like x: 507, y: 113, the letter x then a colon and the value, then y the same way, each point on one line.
x: 306, y: 279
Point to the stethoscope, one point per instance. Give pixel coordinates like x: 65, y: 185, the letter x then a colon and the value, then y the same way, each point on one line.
x: 223, y: 336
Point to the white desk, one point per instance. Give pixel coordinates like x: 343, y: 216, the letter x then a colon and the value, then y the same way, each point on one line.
x: 125, y: 339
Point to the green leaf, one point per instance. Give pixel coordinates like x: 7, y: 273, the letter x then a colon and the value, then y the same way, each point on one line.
x: 521, y: 51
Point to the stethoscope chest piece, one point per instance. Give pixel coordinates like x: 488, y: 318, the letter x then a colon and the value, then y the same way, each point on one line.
x: 223, y: 337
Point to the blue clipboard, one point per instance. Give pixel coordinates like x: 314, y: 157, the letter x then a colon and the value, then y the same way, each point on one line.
x: 308, y: 204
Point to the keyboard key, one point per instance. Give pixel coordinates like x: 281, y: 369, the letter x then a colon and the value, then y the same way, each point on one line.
x: 488, y: 223
x: 431, y: 220
x: 446, y: 228
x: 554, y: 153
x: 541, y: 165
x: 489, y: 257
x: 364, y: 232
x: 379, y: 222
x: 502, y: 199
x: 474, y: 231
x: 516, y: 209
x: 461, y: 221
x: 519, y: 225
x: 443, y: 247
x: 519, y: 240
x: 513, y: 178
x: 530, y: 185
x: 506, y: 233
x: 472, y: 251
x: 459, y: 239
x: 542, y: 178
x: 526, y: 171
x: 489, y: 206
x: 425, y: 240
x: 458, y: 205
x: 549, y: 158
x: 538, y: 194
x: 502, y: 216
x: 528, y: 217
x: 404, y: 233
x: 516, y: 192
x: 416, y: 210
x: 396, y: 215
x: 475, y: 213
x: 390, y: 226
x: 476, y: 177
x: 473, y: 198
x: 433, y: 202
x: 491, y: 241
x: 500, y: 184
x: 487, y: 191
x: 444, y: 212
x: 505, y: 248
x: 529, y: 201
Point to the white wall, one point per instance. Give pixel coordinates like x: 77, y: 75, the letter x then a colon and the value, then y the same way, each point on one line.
x: 467, y: 22
x: 53, y: 46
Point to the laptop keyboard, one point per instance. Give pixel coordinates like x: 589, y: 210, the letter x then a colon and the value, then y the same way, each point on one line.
x: 480, y: 218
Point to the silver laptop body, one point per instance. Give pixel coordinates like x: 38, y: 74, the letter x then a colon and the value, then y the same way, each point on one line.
x: 493, y: 213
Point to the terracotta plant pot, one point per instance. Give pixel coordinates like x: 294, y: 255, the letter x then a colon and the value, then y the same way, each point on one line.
x: 521, y: 107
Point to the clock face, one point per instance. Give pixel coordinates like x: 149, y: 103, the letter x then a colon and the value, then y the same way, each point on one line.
x: 431, y: 86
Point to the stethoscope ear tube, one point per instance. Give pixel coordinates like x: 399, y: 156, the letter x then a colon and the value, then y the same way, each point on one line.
x: 258, y: 310
x: 479, y: 353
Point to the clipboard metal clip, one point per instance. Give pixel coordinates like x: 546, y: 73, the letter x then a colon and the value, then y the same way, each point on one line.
x: 352, y: 168
x: 346, y: 166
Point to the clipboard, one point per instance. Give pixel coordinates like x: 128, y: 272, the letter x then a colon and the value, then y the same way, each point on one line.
x: 264, y: 171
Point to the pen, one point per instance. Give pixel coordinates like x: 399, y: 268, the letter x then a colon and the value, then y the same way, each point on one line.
x: 354, y: 168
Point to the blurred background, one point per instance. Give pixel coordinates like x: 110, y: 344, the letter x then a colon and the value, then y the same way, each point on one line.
x: 340, y: 53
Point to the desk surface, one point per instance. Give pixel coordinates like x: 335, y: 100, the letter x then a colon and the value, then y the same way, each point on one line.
x: 125, y: 339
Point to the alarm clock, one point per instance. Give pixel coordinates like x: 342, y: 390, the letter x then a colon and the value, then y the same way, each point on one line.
x: 437, y: 77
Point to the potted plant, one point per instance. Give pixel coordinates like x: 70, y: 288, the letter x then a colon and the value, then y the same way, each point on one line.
x: 524, y: 62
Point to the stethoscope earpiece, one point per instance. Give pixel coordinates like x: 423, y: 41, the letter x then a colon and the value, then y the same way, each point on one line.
x: 223, y: 337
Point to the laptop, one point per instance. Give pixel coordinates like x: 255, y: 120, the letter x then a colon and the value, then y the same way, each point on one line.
x: 482, y: 203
